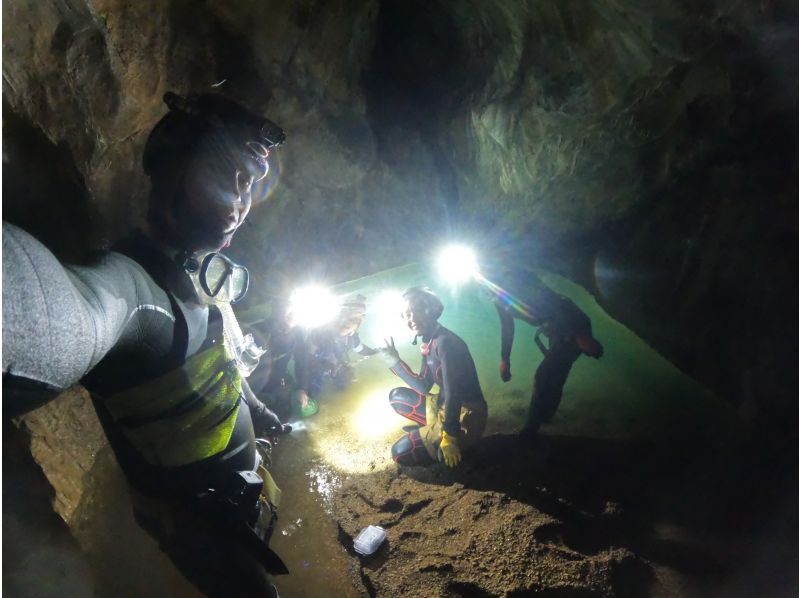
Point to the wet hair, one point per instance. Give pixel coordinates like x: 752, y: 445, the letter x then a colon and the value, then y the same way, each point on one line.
x: 425, y: 298
x: 236, y: 137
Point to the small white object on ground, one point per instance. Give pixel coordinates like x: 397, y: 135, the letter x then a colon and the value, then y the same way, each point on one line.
x: 369, y: 539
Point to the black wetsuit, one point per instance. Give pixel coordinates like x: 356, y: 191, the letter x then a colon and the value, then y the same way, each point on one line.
x: 271, y: 381
x: 114, y: 325
x: 328, y: 357
x: 561, y: 322
x: 446, y: 361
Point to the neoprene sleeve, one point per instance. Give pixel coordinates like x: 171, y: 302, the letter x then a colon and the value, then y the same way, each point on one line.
x: 506, y: 331
x: 59, y: 321
x: 420, y: 383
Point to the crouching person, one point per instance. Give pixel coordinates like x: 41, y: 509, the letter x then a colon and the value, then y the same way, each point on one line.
x: 451, y: 421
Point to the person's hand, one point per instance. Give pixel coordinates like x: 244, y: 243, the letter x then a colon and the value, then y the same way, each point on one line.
x: 275, y: 432
x: 505, y: 370
x: 301, y: 396
x: 589, y: 345
x: 308, y: 406
x: 389, y: 352
x: 449, y: 451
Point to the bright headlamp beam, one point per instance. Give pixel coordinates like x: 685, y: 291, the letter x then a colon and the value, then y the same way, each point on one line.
x: 313, y: 306
x: 374, y: 418
x: 389, y: 303
x: 386, y: 310
x: 457, y: 264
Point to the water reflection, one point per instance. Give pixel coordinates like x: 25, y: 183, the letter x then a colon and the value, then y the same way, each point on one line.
x: 631, y: 392
x: 292, y: 527
x: 324, y: 481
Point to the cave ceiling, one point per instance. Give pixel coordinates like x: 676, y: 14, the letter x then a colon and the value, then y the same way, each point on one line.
x: 645, y: 148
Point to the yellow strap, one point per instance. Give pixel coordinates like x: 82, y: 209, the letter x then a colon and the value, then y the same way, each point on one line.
x: 176, y: 450
x: 270, y: 489
x: 208, y: 387
x: 167, y: 391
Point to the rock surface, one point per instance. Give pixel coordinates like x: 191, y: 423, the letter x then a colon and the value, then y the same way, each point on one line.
x: 65, y: 439
x: 646, y: 149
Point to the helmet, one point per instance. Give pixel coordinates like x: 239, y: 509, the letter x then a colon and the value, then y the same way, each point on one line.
x: 354, y: 307
x: 426, y: 299
x: 212, y: 122
x: 353, y: 311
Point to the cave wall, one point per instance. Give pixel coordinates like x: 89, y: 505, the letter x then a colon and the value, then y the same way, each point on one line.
x: 646, y: 149
x: 300, y: 63
x: 649, y: 149
x: 39, y: 550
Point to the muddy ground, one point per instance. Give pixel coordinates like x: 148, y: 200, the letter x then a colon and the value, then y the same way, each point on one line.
x: 575, y: 518
x: 703, y: 507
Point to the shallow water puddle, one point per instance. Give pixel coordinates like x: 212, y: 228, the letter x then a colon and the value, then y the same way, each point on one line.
x: 631, y: 393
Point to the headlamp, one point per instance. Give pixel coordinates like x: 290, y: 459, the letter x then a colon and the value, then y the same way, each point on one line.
x: 313, y: 306
x: 272, y: 135
x: 457, y: 264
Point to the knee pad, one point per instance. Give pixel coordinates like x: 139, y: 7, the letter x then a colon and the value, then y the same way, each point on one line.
x: 410, y: 450
x: 401, y: 448
x: 396, y: 394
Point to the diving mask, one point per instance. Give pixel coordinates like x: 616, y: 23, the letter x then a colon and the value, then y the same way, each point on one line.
x: 217, y: 279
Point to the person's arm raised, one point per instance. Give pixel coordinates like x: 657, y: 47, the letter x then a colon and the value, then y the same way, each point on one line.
x: 60, y: 321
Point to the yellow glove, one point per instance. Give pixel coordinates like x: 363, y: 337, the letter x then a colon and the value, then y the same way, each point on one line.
x: 449, y: 451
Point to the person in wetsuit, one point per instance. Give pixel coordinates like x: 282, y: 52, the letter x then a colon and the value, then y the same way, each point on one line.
x: 329, y: 347
x: 288, y: 344
x: 454, y: 419
x: 564, y: 325
x: 133, y: 327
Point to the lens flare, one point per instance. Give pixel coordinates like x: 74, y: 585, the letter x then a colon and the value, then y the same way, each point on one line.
x: 264, y: 188
x: 385, y: 315
x: 313, y: 306
x: 457, y: 264
x: 502, y: 296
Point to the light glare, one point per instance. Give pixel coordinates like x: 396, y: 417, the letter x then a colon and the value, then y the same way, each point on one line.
x: 457, y: 264
x: 313, y: 306
x: 386, y: 313
x: 361, y: 441
x: 374, y: 418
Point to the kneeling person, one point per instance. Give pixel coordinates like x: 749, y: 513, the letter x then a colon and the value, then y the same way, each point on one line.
x: 455, y: 418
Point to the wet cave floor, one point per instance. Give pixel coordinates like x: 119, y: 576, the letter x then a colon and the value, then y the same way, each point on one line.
x: 631, y: 493
x: 625, y: 497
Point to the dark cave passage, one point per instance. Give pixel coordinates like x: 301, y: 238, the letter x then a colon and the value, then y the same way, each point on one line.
x: 642, y: 156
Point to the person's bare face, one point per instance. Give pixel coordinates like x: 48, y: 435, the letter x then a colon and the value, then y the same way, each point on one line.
x: 218, y: 200
x: 417, y: 318
x: 349, y: 327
